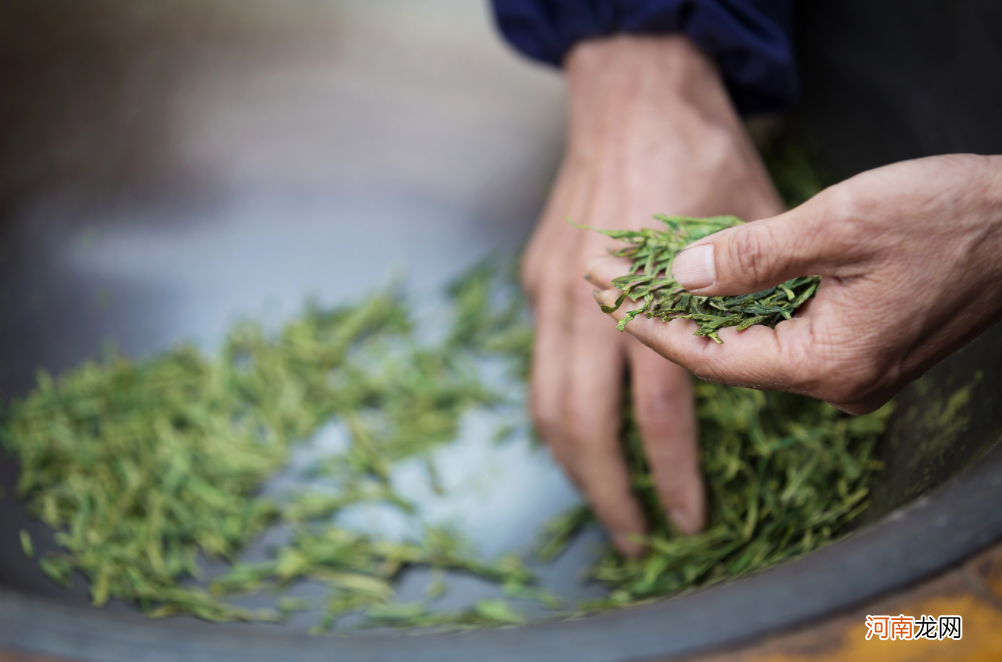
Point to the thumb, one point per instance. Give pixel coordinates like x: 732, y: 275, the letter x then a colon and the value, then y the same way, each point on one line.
x: 755, y: 256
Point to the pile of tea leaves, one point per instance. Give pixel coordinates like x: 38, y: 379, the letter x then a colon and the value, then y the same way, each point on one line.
x: 141, y: 467
x: 652, y: 252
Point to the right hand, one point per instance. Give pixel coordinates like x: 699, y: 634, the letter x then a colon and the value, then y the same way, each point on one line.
x: 651, y: 130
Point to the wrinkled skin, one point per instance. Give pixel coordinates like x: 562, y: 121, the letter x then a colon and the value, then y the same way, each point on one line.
x: 651, y: 130
x: 911, y: 262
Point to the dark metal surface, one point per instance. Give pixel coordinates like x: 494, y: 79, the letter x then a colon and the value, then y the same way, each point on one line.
x: 165, y: 167
x: 885, y: 81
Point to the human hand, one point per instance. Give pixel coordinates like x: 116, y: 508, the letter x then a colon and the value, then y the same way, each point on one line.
x: 909, y: 256
x: 651, y: 129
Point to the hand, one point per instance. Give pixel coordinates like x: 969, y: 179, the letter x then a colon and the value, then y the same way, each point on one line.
x: 909, y: 255
x: 651, y: 130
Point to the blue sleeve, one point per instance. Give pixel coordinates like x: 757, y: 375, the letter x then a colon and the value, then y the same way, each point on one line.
x: 749, y: 38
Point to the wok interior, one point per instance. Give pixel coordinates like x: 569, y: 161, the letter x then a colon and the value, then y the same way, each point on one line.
x: 167, y: 168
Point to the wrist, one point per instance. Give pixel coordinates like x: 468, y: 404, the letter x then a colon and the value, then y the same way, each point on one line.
x: 648, y: 91
x: 667, y: 75
x: 637, y: 63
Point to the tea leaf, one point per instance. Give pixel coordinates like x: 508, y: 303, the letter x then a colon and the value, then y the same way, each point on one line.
x: 26, y: 545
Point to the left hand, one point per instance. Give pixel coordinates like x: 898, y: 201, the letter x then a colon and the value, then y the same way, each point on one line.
x: 910, y: 259
x: 651, y: 129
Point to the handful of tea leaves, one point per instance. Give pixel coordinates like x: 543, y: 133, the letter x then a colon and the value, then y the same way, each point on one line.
x: 653, y: 251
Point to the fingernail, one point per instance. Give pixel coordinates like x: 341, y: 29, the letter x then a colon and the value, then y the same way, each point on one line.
x: 629, y: 544
x: 595, y: 261
x: 606, y: 297
x: 592, y: 265
x: 694, y: 268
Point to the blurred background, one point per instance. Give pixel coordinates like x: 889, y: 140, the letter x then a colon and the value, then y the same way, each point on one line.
x: 168, y: 168
x: 205, y: 158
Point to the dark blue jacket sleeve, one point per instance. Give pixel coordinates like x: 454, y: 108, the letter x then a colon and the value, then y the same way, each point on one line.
x: 749, y: 38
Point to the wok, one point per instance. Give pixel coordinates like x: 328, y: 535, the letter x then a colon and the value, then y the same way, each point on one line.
x: 168, y: 167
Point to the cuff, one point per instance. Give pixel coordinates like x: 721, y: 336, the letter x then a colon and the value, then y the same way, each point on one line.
x: 750, y: 39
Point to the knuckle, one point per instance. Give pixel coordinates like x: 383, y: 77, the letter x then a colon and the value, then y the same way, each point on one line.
x: 531, y: 290
x: 842, y: 202
x: 749, y: 251
x: 649, y: 407
x: 846, y: 210
x: 546, y: 420
x: 584, y: 426
x: 536, y: 266
x: 529, y: 274
x: 579, y: 430
x: 656, y: 403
